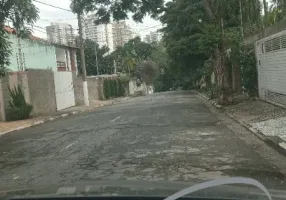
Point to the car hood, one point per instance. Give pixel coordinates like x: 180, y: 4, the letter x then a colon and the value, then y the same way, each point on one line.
x: 139, y: 188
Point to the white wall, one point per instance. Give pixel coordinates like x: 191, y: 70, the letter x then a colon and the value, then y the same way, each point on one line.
x: 133, y: 89
x: 63, y: 55
x: 60, y: 55
x: 271, y: 67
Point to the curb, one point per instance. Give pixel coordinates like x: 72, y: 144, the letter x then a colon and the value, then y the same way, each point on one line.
x: 64, y: 115
x: 276, y: 142
x: 40, y: 122
x: 215, y: 104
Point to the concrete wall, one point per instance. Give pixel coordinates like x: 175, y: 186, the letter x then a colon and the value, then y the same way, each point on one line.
x: 95, y: 88
x: 13, y: 80
x: 280, y: 26
x: 42, y: 91
x: 35, y: 55
x: 78, y: 90
x: 61, y: 55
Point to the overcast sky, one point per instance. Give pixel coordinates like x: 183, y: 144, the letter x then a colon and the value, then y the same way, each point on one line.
x: 49, y: 14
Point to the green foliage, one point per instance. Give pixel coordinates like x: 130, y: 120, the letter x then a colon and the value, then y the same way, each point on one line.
x: 249, y: 70
x: 105, y: 62
x: 19, y: 109
x: 121, y: 88
x: 133, y: 52
x: 147, y: 71
x: 118, y: 10
x: 106, y: 89
x: 113, y: 88
x: 123, y: 82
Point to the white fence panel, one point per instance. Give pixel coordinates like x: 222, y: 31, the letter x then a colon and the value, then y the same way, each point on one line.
x: 64, y: 90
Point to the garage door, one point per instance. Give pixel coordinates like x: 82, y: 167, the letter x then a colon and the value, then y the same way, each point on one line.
x: 271, y: 57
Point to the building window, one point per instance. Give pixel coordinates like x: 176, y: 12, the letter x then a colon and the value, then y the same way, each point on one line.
x: 61, y: 66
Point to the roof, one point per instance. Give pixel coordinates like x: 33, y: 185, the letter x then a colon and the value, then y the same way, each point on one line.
x: 10, y: 30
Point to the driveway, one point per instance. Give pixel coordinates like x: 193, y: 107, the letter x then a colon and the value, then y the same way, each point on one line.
x: 168, y: 137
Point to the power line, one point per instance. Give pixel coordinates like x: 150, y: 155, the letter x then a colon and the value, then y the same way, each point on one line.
x: 53, y: 6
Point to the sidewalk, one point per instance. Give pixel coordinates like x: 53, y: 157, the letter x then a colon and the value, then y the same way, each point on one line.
x: 6, y: 127
x: 265, y: 120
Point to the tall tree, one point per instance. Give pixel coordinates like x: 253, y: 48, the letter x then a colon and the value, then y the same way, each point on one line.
x: 182, y: 28
x: 104, y: 61
x: 131, y: 54
x: 21, y: 14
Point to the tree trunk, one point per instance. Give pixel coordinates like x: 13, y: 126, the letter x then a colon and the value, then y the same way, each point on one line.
x: 236, y: 79
x: 220, y: 66
x: 225, y: 96
x: 265, y: 8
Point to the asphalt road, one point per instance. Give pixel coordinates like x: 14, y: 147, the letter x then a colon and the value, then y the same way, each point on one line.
x: 168, y: 136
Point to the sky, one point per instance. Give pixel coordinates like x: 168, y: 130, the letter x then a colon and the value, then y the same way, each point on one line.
x: 49, y: 14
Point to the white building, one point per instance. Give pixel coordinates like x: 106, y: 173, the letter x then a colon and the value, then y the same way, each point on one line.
x: 61, y: 33
x: 154, y: 36
x: 122, y: 33
x: 101, y: 34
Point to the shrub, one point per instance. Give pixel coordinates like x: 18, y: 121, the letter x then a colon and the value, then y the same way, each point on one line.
x: 19, y: 109
x: 249, y: 70
x: 121, y: 88
x: 106, y: 89
x: 114, y: 88
x: 113, y: 84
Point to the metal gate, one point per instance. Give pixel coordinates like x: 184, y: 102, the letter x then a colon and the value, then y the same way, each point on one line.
x: 271, y: 62
x: 64, y: 90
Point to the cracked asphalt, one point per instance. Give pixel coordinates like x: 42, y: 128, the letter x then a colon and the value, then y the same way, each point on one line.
x: 167, y: 136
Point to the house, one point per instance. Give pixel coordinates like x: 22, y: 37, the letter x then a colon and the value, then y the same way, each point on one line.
x: 37, y: 53
x: 45, y: 72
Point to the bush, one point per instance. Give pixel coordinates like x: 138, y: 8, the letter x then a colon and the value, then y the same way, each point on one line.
x: 249, y: 70
x: 106, y: 89
x: 114, y: 88
x: 18, y: 107
x: 121, y: 88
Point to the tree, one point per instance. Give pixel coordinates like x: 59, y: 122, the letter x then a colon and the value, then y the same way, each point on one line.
x: 22, y: 14
x: 147, y: 71
x: 118, y: 10
x: 105, y: 62
x: 132, y: 53
x: 182, y: 20
x: 198, y: 32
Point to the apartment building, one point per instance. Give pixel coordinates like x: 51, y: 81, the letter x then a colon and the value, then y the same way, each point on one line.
x: 154, y: 36
x: 61, y: 33
x: 122, y: 33
x: 101, y: 34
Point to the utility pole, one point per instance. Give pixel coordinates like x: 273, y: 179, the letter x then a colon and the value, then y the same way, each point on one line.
x: 85, y: 90
x: 96, y: 61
